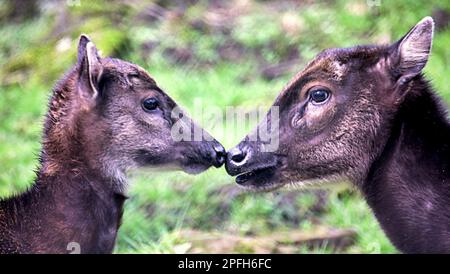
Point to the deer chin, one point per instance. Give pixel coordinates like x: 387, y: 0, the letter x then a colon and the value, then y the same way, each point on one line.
x: 178, y: 162
x: 261, y: 179
x: 195, y: 168
x: 327, y: 182
x: 272, y: 178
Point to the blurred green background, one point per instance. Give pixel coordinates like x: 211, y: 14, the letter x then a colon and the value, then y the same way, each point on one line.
x: 225, y: 53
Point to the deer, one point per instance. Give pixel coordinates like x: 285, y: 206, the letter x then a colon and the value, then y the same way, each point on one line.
x: 366, y: 115
x: 106, y: 117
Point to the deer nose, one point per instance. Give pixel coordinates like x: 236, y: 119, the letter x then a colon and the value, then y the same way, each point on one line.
x: 236, y: 159
x: 221, y: 154
x: 237, y: 156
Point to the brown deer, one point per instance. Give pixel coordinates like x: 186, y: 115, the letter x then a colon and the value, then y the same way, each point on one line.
x: 106, y: 116
x: 368, y: 115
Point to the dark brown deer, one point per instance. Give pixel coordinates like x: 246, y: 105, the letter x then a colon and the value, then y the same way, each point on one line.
x: 368, y: 115
x: 106, y: 116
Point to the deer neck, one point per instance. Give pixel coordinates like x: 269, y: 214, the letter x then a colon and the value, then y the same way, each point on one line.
x: 74, y: 202
x: 76, y: 139
x: 89, y: 200
x: 85, y: 211
x: 408, y: 186
x: 71, y: 211
x: 83, y: 151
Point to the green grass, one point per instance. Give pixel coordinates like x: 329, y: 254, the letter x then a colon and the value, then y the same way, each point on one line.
x: 163, y: 203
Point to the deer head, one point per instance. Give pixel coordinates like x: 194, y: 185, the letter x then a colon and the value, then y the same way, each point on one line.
x: 112, y: 115
x: 334, y: 116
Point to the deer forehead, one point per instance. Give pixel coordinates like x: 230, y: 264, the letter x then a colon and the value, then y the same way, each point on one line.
x: 335, y: 63
x: 330, y: 65
x: 126, y: 68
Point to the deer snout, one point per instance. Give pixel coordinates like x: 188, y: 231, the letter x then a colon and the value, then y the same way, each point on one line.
x: 219, y: 154
x: 199, y: 156
x: 236, y: 158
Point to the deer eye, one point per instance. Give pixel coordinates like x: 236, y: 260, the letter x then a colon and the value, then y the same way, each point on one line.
x: 319, y: 95
x: 150, y: 104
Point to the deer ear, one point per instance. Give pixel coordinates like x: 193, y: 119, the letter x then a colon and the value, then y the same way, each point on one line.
x: 90, y: 68
x: 410, y: 54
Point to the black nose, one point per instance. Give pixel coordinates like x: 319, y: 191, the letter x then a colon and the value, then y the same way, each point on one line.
x: 236, y: 159
x: 220, y: 155
x: 237, y: 155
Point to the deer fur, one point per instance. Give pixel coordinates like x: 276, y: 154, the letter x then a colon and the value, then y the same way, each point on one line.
x: 382, y: 128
